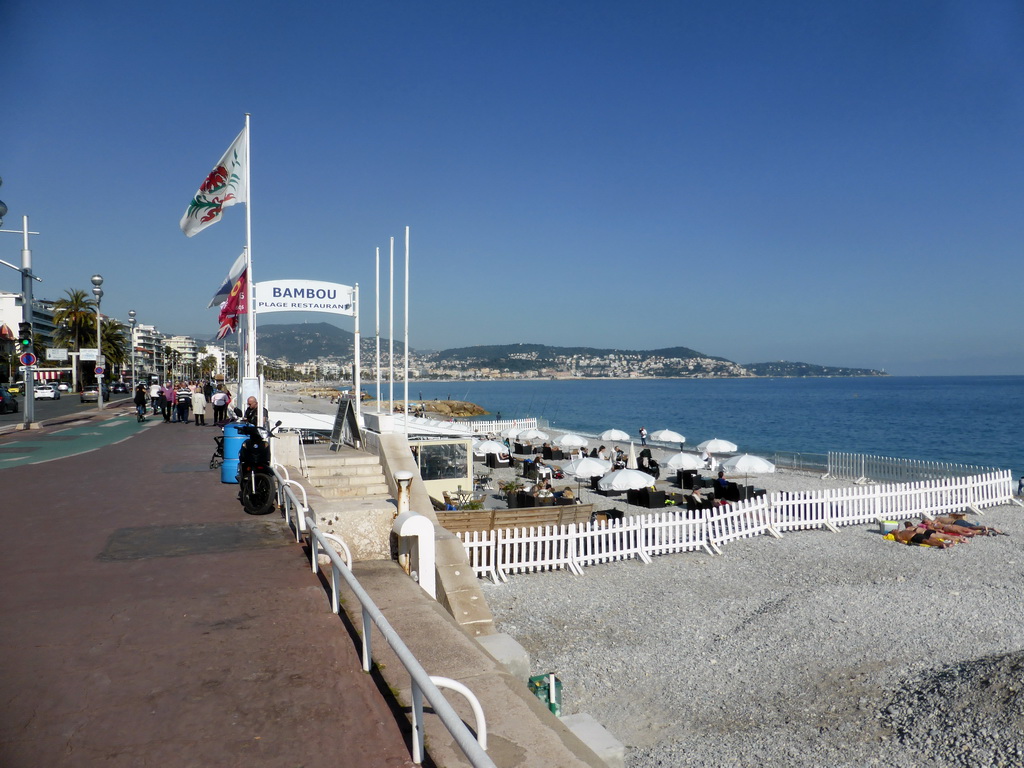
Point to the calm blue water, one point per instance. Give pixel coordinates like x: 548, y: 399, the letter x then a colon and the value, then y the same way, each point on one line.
x: 968, y: 420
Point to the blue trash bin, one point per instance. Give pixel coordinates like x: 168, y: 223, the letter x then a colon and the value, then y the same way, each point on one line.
x: 233, y: 440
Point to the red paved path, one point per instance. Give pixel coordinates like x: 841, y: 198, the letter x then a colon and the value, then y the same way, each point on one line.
x: 230, y: 658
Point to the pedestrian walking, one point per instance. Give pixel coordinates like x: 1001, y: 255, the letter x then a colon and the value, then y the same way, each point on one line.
x: 199, y: 407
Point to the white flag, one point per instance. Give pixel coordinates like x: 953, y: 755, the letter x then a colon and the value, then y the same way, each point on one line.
x: 226, y: 185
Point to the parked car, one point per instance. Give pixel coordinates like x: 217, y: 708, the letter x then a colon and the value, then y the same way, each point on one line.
x: 8, y: 402
x: 15, y: 388
x: 89, y: 394
x: 45, y: 392
x: 118, y: 386
x: 63, y: 387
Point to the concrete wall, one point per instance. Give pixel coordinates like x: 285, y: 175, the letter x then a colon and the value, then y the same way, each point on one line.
x: 457, y: 587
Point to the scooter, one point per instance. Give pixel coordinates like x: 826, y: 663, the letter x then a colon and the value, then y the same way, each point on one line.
x: 256, y: 480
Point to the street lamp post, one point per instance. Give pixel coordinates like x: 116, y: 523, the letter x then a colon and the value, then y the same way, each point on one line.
x: 131, y: 324
x: 97, y: 291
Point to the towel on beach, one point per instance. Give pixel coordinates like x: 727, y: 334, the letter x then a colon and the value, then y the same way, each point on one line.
x: 890, y: 537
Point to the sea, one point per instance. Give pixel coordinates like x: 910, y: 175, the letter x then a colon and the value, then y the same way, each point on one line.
x: 974, y: 420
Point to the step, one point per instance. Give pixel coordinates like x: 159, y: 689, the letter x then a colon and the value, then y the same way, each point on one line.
x: 351, y: 470
x: 379, y: 491
x: 323, y: 462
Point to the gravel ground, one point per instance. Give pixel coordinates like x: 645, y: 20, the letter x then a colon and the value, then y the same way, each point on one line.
x: 817, y: 649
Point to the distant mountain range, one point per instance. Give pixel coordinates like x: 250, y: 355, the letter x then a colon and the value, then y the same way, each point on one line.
x: 301, y: 342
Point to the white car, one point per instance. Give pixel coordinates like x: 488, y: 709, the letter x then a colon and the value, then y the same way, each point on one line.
x: 45, y: 392
x: 63, y: 387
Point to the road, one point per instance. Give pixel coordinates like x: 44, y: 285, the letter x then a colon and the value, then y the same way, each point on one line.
x: 68, y: 404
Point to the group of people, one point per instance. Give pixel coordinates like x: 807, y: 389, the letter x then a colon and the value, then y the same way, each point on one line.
x: 176, y: 401
x: 942, y: 531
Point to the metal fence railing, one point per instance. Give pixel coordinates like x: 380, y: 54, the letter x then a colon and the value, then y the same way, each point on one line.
x: 297, y: 514
x: 863, y: 467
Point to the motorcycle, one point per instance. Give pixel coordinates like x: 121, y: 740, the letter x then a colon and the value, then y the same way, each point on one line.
x: 256, y: 480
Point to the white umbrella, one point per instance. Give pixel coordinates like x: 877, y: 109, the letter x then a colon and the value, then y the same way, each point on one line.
x: 667, y: 436
x: 532, y: 434
x: 490, y: 446
x: 631, y: 459
x: 614, y: 434
x: 511, y: 432
x: 684, y: 461
x: 748, y: 465
x: 586, y: 467
x: 625, y: 480
x: 571, y: 441
x: 715, y: 445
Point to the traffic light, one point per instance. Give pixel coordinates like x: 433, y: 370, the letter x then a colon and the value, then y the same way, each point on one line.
x: 24, y: 337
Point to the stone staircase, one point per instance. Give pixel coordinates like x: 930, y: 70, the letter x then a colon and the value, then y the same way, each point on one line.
x: 347, y: 474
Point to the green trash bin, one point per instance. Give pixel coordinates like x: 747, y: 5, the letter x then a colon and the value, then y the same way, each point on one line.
x: 548, y: 688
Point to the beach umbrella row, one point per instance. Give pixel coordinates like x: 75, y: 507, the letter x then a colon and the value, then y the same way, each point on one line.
x: 717, y: 445
x: 571, y: 441
x: 667, y: 436
x: 490, y: 446
x: 748, y: 465
x: 684, y: 461
x: 625, y: 480
x: 587, y: 467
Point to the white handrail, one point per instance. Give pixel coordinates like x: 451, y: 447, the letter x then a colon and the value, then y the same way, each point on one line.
x: 422, y: 685
x: 474, y: 703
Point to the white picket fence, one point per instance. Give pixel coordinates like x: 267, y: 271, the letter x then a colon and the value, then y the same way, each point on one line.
x: 498, y: 553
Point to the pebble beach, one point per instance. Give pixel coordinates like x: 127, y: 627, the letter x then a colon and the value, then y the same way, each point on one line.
x: 817, y: 649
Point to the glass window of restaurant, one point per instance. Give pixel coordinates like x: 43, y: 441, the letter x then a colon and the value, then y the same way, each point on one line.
x: 444, y: 465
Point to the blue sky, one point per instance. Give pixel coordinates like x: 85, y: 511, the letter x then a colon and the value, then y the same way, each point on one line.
x: 836, y: 183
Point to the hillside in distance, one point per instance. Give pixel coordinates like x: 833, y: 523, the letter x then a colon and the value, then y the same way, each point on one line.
x: 302, y: 342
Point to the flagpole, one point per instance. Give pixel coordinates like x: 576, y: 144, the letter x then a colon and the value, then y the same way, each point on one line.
x: 391, y: 333
x: 356, y: 373
x: 377, y: 305
x: 250, y: 314
x: 406, y: 313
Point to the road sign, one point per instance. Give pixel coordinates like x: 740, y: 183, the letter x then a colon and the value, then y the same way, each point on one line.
x: 98, y: 370
x: 88, y: 354
x: 56, y: 353
x: 28, y: 359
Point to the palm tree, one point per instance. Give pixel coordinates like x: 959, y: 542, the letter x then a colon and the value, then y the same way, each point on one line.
x: 75, y: 318
x: 173, y: 358
x: 115, y: 342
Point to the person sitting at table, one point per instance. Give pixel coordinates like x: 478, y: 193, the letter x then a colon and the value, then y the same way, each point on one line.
x: 566, y: 494
x: 620, y: 458
x: 602, y: 453
x: 543, y: 490
x: 721, y: 482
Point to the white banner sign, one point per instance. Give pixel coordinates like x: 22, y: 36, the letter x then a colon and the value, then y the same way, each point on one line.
x: 304, y: 296
x: 56, y: 353
x: 88, y: 355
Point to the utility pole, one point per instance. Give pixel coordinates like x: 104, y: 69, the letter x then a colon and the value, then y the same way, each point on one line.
x: 27, y: 277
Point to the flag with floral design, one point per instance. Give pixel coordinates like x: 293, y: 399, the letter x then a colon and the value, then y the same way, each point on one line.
x: 225, y: 186
x: 234, y: 306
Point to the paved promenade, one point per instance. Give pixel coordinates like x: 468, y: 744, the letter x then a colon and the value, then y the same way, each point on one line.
x: 146, y: 620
